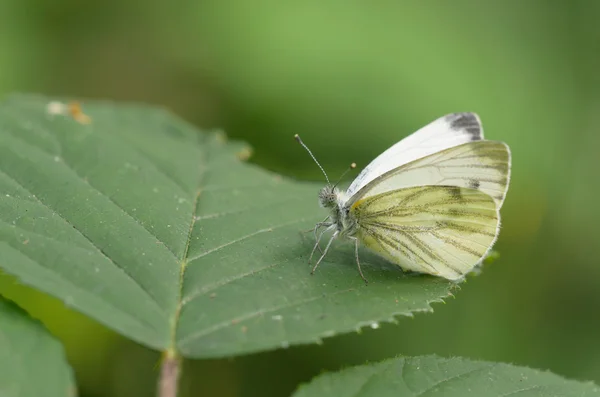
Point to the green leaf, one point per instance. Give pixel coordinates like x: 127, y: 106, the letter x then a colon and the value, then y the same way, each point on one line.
x: 431, y: 376
x: 32, y: 362
x: 162, y: 233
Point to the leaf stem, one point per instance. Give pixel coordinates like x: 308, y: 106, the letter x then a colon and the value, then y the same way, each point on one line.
x: 169, y: 375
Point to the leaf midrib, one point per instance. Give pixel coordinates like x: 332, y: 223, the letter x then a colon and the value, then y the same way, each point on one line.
x: 172, y: 347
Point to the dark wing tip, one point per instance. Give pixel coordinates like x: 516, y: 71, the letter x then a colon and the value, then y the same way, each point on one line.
x: 468, y: 122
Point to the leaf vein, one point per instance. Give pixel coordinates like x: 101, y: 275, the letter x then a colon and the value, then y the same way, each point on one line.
x: 257, y: 313
x: 120, y: 208
x: 453, y: 378
x: 87, y: 238
x: 247, y: 236
x: 141, y: 321
x: 514, y: 392
x: 221, y: 283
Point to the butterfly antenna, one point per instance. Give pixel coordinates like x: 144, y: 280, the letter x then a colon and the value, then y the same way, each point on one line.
x: 352, y: 166
x: 297, y: 137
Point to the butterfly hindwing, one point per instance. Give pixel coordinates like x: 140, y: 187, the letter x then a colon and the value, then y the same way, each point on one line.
x: 440, y: 230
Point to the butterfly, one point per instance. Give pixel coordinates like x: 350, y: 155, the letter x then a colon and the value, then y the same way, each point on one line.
x: 430, y: 203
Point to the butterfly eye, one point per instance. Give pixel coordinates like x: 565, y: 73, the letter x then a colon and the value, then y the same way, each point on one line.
x: 327, y: 196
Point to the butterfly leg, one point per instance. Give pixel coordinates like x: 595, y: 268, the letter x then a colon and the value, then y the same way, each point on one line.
x: 315, y: 246
x: 357, y: 261
x: 325, y: 252
x: 317, y: 226
x: 318, y: 240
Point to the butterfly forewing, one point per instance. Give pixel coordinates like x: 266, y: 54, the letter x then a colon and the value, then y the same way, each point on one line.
x: 440, y: 230
x: 480, y: 165
x: 445, y: 132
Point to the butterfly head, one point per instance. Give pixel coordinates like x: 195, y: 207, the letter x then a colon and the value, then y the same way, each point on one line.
x: 328, y: 196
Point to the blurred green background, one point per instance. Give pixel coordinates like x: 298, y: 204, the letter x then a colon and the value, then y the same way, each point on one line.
x: 353, y: 78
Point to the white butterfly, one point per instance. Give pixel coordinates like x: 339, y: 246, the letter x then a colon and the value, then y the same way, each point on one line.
x: 430, y: 203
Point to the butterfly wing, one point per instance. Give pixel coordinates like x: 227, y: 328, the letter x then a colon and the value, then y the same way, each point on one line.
x: 439, y: 230
x: 479, y: 165
x: 443, y: 133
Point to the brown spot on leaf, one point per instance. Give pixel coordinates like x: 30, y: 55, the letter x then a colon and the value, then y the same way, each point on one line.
x: 75, y: 110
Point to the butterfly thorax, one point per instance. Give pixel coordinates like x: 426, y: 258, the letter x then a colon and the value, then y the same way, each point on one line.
x: 335, y: 201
